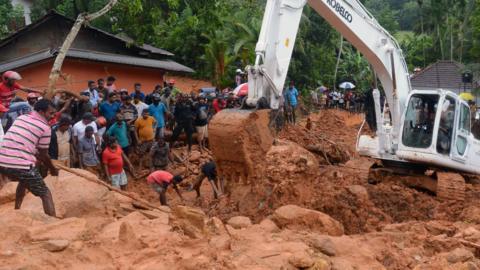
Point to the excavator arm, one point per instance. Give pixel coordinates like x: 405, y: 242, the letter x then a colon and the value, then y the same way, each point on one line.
x: 266, y: 78
x: 350, y: 18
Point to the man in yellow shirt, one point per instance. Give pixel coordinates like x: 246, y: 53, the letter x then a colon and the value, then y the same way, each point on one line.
x: 145, y: 127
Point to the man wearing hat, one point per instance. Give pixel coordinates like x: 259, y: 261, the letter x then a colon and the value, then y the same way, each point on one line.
x: 32, y: 98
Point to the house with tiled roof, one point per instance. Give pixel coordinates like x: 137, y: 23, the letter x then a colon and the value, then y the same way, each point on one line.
x: 94, y: 54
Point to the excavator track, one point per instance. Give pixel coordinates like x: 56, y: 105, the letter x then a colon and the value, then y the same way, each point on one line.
x: 450, y: 186
x: 446, y: 185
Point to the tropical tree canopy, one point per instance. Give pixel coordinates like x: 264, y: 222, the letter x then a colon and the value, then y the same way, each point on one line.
x: 216, y: 37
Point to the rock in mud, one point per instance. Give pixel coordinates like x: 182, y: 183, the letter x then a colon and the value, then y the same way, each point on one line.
x: 215, y: 226
x: 240, y: 222
x: 195, y: 156
x: 301, y: 260
x: 7, y: 192
x: 459, y: 255
x: 220, y: 242
x: 324, y: 245
x: 66, y: 229
x: 295, y: 217
x: 191, y: 220
x: 56, y: 245
x: 471, y: 214
x: 269, y: 226
x: 359, y: 191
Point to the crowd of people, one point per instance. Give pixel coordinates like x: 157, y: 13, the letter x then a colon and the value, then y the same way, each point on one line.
x: 346, y: 99
x: 100, y: 130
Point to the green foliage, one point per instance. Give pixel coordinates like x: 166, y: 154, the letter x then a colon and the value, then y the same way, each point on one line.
x: 11, y: 18
x: 215, y: 37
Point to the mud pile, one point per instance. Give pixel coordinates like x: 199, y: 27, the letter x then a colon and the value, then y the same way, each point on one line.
x: 300, y: 214
x: 330, y: 134
x: 186, y: 238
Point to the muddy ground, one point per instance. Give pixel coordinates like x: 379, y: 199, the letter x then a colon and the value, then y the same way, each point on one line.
x: 309, y: 210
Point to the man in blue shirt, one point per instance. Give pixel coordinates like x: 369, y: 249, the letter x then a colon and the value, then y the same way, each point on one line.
x: 291, y: 101
x: 138, y: 92
x: 158, y: 110
x: 109, y: 108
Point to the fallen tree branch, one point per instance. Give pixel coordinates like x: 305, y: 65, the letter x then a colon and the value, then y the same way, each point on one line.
x: 67, y: 43
x: 137, y: 201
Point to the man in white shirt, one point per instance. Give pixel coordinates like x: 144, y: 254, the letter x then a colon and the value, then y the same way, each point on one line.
x: 139, y: 105
x: 79, y: 128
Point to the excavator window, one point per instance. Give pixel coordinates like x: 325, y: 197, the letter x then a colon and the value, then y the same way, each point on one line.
x: 445, y: 128
x: 419, y: 120
x: 464, y: 127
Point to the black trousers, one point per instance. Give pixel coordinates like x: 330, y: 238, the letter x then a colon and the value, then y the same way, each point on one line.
x: 186, y: 126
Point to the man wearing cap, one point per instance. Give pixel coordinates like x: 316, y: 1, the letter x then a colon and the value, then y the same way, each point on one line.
x: 172, y: 89
x: 9, y: 85
x: 27, y: 140
x: 160, y: 180
x: 238, y: 77
x: 32, y: 98
x: 158, y: 110
x: 61, y: 140
x: 79, y: 129
x: 3, y: 110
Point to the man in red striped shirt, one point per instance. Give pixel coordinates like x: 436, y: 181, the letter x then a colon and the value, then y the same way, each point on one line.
x: 9, y: 86
x: 27, y: 139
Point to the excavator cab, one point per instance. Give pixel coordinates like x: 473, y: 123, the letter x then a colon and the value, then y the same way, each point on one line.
x: 436, y: 129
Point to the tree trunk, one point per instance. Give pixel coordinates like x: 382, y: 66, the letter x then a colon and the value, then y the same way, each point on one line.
x: 338, y: 63
x: 67, y: 43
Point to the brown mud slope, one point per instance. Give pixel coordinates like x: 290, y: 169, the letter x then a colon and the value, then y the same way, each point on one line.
x: 293, y: 174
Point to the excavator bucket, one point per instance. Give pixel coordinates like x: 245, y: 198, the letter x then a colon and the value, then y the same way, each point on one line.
x: 239, y: 140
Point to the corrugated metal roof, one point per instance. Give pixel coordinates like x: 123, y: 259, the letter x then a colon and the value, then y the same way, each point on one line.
x: 96, y: 56
x: 443, y: 74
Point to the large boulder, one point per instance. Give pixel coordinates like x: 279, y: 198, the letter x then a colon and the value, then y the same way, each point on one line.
x: 65, y: 229
x: 297, y: 218
x: 75, y: 196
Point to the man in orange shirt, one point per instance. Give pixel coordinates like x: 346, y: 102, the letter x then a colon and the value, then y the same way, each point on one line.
x: 113, y: 159
x: 160, y: 180
x: 145, y: 127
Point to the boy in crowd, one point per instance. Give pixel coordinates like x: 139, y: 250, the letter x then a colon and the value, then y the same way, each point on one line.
x: 161, y: 180
x: 87, y: 152
x: 160, y: 155
x: 113, y: 160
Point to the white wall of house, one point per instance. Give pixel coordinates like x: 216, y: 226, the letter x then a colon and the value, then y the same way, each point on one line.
x: 27, y: 4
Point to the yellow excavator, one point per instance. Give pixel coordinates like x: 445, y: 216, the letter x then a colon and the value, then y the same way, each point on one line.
x: 428, y: 129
